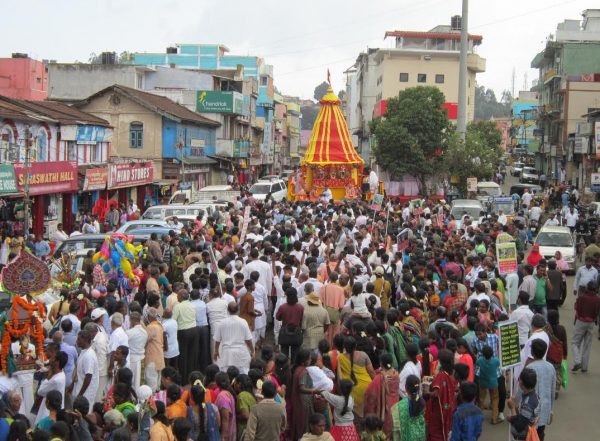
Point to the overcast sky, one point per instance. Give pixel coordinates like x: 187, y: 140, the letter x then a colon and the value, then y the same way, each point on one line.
x: 301, y: 39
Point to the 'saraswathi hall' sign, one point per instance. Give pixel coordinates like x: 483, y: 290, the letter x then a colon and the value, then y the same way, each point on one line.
x: 48, y: 177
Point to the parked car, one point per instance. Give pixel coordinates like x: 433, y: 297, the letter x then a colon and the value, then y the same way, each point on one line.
x: 517, y: 168
x: 161, y: 212
x: 276, y: 187
x: 520, y: 189
x: 552, y: 239
x: 130, y: 226
x: 85, y: 242
x: 486, y: 189
x: 529, y: 175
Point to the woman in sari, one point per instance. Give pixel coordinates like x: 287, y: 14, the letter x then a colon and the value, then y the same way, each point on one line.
x: 382, y: 393
x: 300, y: 399
x: 442, y: 399
x: 408, y: 415
x: 226, y: 404
x: 356, y: 366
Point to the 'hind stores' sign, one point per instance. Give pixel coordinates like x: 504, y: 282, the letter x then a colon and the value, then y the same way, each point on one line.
x: 130, y: 174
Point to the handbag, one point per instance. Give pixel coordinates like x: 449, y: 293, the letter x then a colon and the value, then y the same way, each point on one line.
x: 532, y: 434
x: 555, y: 351
x: 319, y: 404
x: 564, y: 370
x: 290, y: 335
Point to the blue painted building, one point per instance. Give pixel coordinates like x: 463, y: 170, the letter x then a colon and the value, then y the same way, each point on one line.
x: 215, y: 57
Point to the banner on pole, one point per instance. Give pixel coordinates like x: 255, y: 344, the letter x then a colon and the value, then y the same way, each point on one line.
x: 510, y: 350
x: 245, y: 224
x: 506, y: 254
x: 377, y: 202
x: 472, y: 185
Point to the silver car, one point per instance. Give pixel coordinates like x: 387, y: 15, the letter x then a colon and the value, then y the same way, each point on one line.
x: 552, y: 239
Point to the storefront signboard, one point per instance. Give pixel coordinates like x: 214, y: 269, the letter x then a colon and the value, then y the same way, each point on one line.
x: 95, y: 179
x: 48, y: 177
x: 8, y: 183
x: 130, y: 174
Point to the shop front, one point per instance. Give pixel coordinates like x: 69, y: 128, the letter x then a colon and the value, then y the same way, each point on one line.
x: 131, y: 181
x: 11, y: 212
x: 52, y: 187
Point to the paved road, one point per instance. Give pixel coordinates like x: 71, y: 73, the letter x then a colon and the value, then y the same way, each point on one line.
x: 575, y: 414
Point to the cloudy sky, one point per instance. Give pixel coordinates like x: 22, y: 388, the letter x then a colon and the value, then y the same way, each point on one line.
x: 301, y: 39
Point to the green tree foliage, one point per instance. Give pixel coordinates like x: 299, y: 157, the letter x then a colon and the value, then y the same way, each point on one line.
x: 478, y: 156
x: 321, y: 90
x: 413, y: 135
x: 487, y: 106
x: 309, y: 115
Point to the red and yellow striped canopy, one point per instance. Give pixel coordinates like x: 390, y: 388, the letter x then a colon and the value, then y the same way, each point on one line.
x: 330, y: 141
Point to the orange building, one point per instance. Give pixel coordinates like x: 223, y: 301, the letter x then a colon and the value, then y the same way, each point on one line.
x: 23, y: 78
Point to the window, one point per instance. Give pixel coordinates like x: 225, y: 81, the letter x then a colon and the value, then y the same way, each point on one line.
x: 41, y: 146
x: 439, y: 79
x: 421, y: 78
x: 264, y: 81
x: 71, y: 151
x: 136, y: 135
x: 404, y: 77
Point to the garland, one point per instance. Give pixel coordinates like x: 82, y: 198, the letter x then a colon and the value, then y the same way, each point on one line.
x: 32, y: 324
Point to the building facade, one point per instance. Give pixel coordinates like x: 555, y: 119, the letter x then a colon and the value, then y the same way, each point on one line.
x: 23, y: 78
x: 216, y: 58
x: 417, y: 59
x: 57, y: 146
x: 568, y: 87
x: 168, y: 143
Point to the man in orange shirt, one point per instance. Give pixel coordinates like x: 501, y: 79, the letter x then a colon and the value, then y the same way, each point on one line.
x: 176, y: 407
x: 333, y: 299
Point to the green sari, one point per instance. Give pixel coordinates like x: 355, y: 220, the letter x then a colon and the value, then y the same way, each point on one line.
x: 405, y: 427
x: 395, y: 345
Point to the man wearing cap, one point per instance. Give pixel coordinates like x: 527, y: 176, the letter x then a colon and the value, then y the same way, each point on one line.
x: 315, y: 319
x: 118, y: 337
x: 233, y: 342
x: 137, y: 338
x: 383, y: 288
x: 154, y: 361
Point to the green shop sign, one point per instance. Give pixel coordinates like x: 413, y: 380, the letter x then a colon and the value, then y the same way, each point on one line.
x: 8, y: 183
x: 212, y: 101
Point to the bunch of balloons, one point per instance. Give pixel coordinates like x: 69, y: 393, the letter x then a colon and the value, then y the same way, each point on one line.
x: 118, y: 253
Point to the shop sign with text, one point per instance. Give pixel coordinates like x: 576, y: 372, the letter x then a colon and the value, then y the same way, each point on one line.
x: 130, y: 174
x: 8, y: 183
x: 216, y: 101
x: 95, y: 179
x: 48, y: 177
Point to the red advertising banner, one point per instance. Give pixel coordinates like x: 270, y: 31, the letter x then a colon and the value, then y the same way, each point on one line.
x: 130, y: 174
x: 95, y: 179
x: 48, y: 177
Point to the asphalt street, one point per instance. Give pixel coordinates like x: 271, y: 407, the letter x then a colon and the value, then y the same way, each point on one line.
x: 574, y: 411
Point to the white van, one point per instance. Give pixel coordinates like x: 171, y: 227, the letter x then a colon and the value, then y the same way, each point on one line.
x: 470, y: 207
x: 164, y: 211
x: 486, y: 189
x: 274, y: 186
x: 209, y: 193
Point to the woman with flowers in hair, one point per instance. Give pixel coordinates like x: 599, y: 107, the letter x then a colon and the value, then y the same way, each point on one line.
x: 382, y: 394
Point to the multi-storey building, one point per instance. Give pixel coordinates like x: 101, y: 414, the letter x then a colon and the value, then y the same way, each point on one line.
x: 568, y: 87
x: 417, y: 59
x: 23, y: 78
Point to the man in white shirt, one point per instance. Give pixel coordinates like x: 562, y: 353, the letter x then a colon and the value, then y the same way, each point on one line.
x: 264, y: 269
x: 410, y: 368
x: 529, y: 283
x: 233, y: 342
x: 118, y: 337
x: 526, y: 198
x: 87, y: 369
x: 202, y: 329
x: 535, y: 212
x: 523, y: 316
x: 100, y: 347
x: 55, y: 381
x: 137, y: 338
x: 479, y: 294
x: 59, y: 236
x: 571, y: 219
x: 538, y: 323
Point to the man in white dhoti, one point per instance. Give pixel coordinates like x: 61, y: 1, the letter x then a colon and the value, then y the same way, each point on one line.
x: 138, y: 337
x: 233, y: 342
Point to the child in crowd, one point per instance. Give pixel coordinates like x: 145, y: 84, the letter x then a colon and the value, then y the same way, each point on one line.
x: 524, y: 406
x: 487, y: 367
x: 373, y: 429
x: 467, y: 422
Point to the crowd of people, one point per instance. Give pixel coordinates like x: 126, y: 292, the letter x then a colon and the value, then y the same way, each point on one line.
x: 315, y: 321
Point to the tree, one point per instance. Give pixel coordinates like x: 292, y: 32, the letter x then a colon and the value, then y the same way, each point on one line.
x: 477, y: 157
x: 309, y: 115
x: 487, y: 106
x: 321, y: 90
x: 413, y: 135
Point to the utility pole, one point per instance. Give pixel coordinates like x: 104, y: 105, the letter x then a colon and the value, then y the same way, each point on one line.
x: 26, y: 173
x: 462, y: 73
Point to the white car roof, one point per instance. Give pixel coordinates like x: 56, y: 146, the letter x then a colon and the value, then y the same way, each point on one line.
x: 216, y: 188
x: 555, y: 229
x: 466, y: 203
